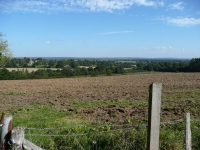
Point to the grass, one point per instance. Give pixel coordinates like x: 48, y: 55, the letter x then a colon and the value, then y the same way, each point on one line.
x: 74, y: 134
x: 42, y: 117
x: 96, y: 104
x: 30, y: 69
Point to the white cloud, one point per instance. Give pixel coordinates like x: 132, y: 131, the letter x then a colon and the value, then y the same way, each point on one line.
x: 48, y: 42
x: 168, y: 49
x: 24, y: 6
x: 177, y: 6
x: 161, y: 3
x: 117, y: 32
x: 182, y: 22
x: 41, y: 6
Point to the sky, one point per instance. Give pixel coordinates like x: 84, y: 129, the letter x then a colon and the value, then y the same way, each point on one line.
x: 102, y: 28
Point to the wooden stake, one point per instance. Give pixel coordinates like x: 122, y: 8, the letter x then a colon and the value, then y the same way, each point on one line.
x: 188, y: 137
x: 154, y: 116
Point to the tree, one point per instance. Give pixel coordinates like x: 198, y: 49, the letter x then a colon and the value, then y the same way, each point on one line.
x: 52, y: 63
x: 38, y: 62
x: 108, y: 72
x: 67, y: 71
x: 194, y: 65
x: 5, y: 53
x: 4, y: 74
x: 61, y: 64
x: 73, y: 64
x: 119, y: 69
x: 84, y: 71
x: 41, y: 73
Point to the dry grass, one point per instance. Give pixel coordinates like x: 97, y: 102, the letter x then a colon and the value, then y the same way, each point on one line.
x: 29, y: 69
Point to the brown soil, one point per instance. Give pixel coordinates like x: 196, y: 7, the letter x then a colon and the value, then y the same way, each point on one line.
x: 180, y: 94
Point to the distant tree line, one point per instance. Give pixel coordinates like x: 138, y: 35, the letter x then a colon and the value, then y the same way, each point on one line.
x: 192, y: 66
x: 65, y: 68
x: 72, y: 68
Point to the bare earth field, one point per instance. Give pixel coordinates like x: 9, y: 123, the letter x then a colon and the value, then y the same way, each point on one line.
x: 107, y: 99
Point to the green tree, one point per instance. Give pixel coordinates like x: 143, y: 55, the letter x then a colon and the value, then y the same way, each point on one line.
x: 12, y: 63
x: 41, y: 73
x: 77, y: 71
x: 61, y: 64
x: 4, y: 74
x: 108, y: 72
x: 68, y: 71
x: 52, y: 63
x: 73, y: 64
x: 140, y: 65
x: 38, y: 62
x: 5, y: 53
x: 119, y: 69
x: 194, y: 65
x: 84, y: 71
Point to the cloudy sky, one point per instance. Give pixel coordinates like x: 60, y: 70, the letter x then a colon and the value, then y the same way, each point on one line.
x: 102, y: 28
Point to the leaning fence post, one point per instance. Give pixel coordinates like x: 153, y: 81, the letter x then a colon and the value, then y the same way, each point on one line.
x: 17, y: 138
x: 188, y: 136
x: 6, y: 131
x: 1, y: 125
x: 154, y: 116
x: 2, y: 117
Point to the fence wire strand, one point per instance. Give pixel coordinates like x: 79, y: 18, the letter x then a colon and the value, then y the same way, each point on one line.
x: 117, y: 136
x: 112, y: 125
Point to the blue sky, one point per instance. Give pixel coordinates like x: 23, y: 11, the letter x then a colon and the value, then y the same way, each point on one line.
x: 102, y: 28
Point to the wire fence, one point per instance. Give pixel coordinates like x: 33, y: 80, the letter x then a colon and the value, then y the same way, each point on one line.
x: 86, y: 137
x: 103, y: 137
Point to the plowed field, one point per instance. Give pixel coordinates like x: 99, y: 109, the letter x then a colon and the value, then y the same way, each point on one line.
x: 107, y: 98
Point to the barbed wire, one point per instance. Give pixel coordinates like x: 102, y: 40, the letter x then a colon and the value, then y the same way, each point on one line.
x: 115, y: 130
x: 75, y: 126
x: 128, y: 127
x: 57, y: 135
x: 195, y: 120
x: 111, y: 125
x: 93, y: 132
x: 172, y: 122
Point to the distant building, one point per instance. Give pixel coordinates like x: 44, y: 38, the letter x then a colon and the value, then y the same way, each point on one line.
x: 31, y: 62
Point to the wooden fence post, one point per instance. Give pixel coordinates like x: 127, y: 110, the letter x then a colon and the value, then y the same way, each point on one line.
x: 6, y: 132
x: 1, y: 125
x: 2, y: 117
x: 188, y: 135
x: 154, y: 116
x: 17, y: 137
x: 18, y: 141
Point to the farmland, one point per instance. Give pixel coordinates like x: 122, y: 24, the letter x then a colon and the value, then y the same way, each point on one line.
x: 29, y: 69
x: 112, y: 99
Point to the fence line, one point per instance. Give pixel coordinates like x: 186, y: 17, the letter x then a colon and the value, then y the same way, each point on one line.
x: 171, y: 123
x: 174, y: 122
x: 111, y: 125
x: 115, y: 130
